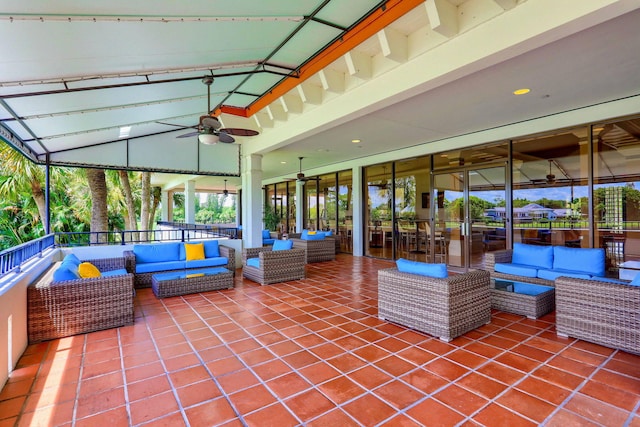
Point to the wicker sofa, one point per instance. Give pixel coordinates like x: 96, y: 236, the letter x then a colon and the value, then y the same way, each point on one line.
x: 274, y: 266
x: 443, y: 307
x: 145, y: 260
x: 71, y: 307
x: 316, y: 250
x: 543, y: 264
x: 600, y: 312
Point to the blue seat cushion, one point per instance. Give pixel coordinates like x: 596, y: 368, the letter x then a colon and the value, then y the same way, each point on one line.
x: 211, y: 249
x: 533, y: 255
x: 266, y: 234
x: 157, y: 252
x: 422, y: 268
x: 152, y: 267
x: 254, y: 262
x: 554, y: 274
x: 517, y: 269
x: 207, y: 262
x: 586, y: 260
x: 111, y: 273
x: 636, y: 280
x: 530, y: 288
x: 282, y: 245
x: 268, y: 241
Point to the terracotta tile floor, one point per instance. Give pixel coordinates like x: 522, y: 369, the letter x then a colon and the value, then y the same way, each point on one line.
x: 314, y: 353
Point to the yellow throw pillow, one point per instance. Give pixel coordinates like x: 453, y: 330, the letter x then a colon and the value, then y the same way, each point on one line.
x: 311, y: 233
x: 194, y: 251
x: 86, y: 270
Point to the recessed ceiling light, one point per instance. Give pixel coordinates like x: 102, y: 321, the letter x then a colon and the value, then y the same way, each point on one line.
x: 522, y: 91
x: 124, y: 131
x: 356, y: 141
x: 283, y: 162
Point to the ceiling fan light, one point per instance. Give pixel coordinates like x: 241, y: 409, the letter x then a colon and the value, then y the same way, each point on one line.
x: 208, y: 138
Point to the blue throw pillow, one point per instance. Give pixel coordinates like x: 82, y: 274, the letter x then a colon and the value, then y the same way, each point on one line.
x: 211, y: 249
x: 534, y: 255
x: 587, y: 260
x: 282, y: 245
x: 72, y: 259
x: 66, y: 271
x: 422, y: 268
x: 266, y: 234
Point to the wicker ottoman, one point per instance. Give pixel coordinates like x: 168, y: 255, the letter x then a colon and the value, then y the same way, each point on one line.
x: 191, y: 281
x: 526, y: 299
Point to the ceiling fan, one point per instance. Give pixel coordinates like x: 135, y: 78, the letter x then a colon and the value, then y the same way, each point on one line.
x: 549, y: 179
x: 225, y: 192
x: 383, y: 184
x: 300, y: 176
x: 209, y: 130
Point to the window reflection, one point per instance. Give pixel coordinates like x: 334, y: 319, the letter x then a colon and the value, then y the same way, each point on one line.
x: 550, y: 192
x: 616, y: 194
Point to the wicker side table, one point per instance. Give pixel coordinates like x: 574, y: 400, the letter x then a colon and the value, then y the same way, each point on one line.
x: 191, y: 281
x: 526, y: 299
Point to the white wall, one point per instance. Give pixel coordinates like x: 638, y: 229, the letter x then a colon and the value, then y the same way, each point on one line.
x: 13, y: 311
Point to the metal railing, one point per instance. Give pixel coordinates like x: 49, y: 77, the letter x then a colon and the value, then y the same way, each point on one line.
x: 219, y: 230
x: 12, y: 259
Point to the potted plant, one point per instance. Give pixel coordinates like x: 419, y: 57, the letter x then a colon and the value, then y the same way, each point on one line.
x: 270, y: 218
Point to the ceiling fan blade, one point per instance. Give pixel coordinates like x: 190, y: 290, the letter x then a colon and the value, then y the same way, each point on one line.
x: 187, y: 135
x: 239, y: 131
x: 227, y: 139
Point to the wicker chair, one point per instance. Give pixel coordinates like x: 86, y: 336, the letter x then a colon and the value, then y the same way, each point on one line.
x: 316, y: 250
x: 599, y: 312
x: 275, y: 266
x: 79, y: 306
x: 445, y: 308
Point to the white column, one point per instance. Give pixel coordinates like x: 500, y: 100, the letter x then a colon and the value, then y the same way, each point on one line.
x: 252, y: 206
x: 164, y: 205
x: 190, y: 202
x: 357, y: 212
x: 299, y: 206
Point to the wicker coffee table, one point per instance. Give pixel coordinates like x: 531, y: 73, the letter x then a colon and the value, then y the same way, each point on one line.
x: 191, y: 281
x: 526, y: 299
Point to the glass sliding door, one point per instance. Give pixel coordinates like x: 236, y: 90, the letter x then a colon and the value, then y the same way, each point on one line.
x: 449, y: 216
x: 378, y: 210
x: 465, y: 225
x: 345, y: 211
x: 486, y: 213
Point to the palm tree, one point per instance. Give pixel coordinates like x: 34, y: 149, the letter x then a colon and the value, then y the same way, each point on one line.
x: 131, y: 222
x: 145, y: 207
x: 99, y: 213
x: 22, y: 175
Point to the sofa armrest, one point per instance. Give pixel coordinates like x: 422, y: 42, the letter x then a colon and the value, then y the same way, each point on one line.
x: 253, y: 253
x: 284, y: 257
x: 604, y: 313
x: 230, y: 254
x: 109, y: 264
x: 130, y: 261
x: 492, y: 258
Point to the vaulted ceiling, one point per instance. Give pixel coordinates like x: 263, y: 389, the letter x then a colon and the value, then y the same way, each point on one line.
x: 308, y: 75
